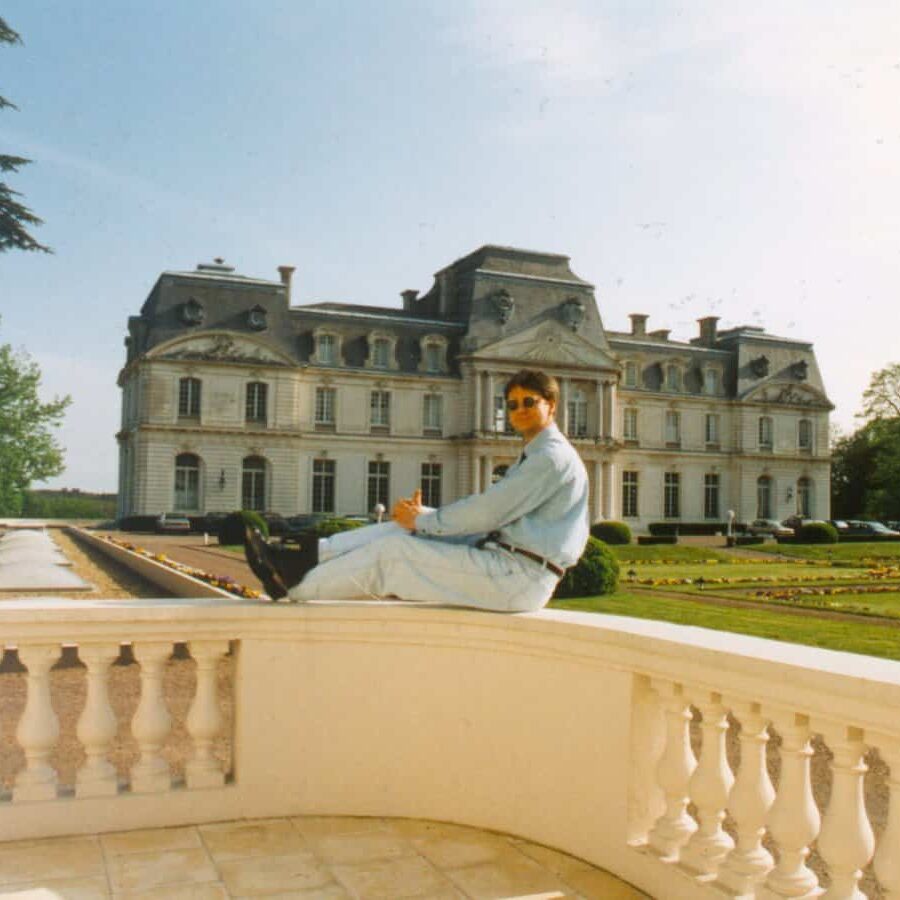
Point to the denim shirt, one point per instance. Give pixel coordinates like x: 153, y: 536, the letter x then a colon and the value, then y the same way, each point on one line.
x: 541, y: 504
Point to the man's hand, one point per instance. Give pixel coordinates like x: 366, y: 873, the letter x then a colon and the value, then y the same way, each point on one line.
x: 405, y: 511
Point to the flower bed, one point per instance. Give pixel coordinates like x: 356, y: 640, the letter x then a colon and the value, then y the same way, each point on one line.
x: 223, y: 582
x: 880, y: 573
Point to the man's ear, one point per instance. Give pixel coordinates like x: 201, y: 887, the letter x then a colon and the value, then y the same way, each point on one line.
x: 552, y: 405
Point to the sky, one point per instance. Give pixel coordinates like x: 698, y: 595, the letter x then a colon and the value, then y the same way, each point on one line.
x: 693, y: 159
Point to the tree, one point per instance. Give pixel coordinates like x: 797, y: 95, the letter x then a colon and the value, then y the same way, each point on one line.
x: 881, y: 399
x: 15, y: 217
x: 28, y: 450
x: 853, y: 462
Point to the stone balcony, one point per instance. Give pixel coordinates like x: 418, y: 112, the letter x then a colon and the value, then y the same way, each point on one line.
x: 552, y: 730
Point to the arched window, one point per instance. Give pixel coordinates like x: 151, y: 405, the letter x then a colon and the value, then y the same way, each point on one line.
x: 577, y: 413
x: 187, y: 482
x: 764, y: 497
x: 804, y: 498
x: 257, y: 401
x: 253, y: 483
x: 189, y: 398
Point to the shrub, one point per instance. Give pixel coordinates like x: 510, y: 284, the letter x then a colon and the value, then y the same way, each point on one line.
x: 328, y: 527
x: 231, y: 531
x: 611, y: 532
x: 816, y: 533
x: 647, y: 539
x: 597, y: 572
x: 687, y: 528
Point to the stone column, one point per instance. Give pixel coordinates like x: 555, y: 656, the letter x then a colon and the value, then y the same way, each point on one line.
x: 476, y: 472
x: 489, y: 401
x: 608, y: 479
x: 488, y: 472
x: 562, y: 411
x: 597, y: 507
x: 613, y: 415
x: 601, y: 415
x: 477, y: 419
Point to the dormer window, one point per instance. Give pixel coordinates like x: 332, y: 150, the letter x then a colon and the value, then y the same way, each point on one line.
x: 434, y: 354
x: 673, y: 377
x: 382, y: 351
x: 712, y: 381
x: 631, y: 374
x: 328, y: 348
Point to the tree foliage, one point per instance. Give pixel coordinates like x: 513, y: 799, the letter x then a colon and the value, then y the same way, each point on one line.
x: 15, y: 217
x: 28, y: 449
x: 881, y: 399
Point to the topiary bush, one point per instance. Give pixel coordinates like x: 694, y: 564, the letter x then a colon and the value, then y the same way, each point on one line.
x: 597, y: 572
x: 231, y: 531
x: 611, y: 532
x: 816, y: 533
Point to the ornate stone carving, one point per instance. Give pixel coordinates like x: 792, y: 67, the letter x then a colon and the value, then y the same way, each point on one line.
x: 222, y: 348
x: 573, y: 313
x: 256, y: 318
x: 192, y: 312
x: 504, y: 303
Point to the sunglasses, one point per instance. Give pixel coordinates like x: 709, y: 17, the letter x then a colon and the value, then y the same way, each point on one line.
x: 527, y: 403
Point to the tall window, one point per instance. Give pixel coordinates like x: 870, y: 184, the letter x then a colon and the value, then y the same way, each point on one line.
x: 380, y: 408
x: 431, y: 484
x: 630, y: 424
x: 326, y: 349
x: 804, y: 498
x: 433, y: 357
x: 629, y: 495
x: 381, y: 353
x: 501, y: 419
x: 673, y: 427
x: 672, y: 495
x: 325, y: 406
x: 379, y: 487
x: 577, y: 410
x: 804, y: 434
x: 712, y: 428
x: 764, y: 497
x: 257, y: 396
x: 323, y: 486
x: 433, y: 413
x: 631, y: 374
x: 673, y: 378
x: 766, y: 431
x: 253, y: 483
x: 189, y: 397
x: 711, y: 496
x: 712, y: 381
x: 187, y: 482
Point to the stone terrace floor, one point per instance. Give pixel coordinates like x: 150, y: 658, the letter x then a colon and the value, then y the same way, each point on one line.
x: 330, y: 858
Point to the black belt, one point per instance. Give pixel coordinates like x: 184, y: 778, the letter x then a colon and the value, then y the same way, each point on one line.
x: 545, y: 563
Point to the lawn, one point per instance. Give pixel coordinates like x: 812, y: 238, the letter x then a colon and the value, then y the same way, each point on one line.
x: 852, y: 637
x: 656, y: 552
x: 774, y: 572
x: 886, y: 550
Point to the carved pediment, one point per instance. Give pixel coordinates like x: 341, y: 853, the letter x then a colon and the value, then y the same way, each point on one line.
x: 549, y: 342
x: 221, y: 348
x: 788, y: 394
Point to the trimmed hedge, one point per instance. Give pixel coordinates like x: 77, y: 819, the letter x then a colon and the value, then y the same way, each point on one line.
x: 231, y: 531
x: 328, y: 527
x: 597, y: 572
x: 611, y: 532
x: 816, y: 533
x: 657, y: 539
x: 744, y: 540
x: 689, y: 528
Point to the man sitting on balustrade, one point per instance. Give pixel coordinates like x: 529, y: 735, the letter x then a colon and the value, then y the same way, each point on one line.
x: 504, y: 549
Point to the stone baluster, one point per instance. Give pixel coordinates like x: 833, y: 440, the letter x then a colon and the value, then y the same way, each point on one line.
x: 674, y: 827
x: 97, y: 724
x: 794, y: 817
x: 749, y: 803
x: 151, y: 721
x: 846, y: 840
x: 887, y: 858
x: 646, y: 801
x: 38, y: 728
x: 205, y: 719
x: 709, y: 788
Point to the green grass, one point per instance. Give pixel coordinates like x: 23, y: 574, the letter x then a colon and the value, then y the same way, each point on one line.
x: 739, y: 569
x: 861, y: 604
x: 888, y: 551
x: 628, y: 552
x: 851, y: 637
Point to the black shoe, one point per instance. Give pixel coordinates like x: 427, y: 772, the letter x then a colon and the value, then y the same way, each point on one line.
x: 293, y: 562
x: 258, y: 558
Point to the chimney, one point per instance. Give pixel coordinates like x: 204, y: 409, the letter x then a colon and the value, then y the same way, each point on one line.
x: 409, y: 299
x: 661, y: 334
x: 708, y: 331
x: 638, y: 324
x: 287, y: 274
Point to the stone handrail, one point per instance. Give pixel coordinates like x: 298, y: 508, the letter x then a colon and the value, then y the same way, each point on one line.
x: 569, y: 729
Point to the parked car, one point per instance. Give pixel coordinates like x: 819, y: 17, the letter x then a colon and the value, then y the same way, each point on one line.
x: 172, y: 523
x: 872, y: 529
x: 842, y: 526
x: 769, y: 526
x: 794, y: 522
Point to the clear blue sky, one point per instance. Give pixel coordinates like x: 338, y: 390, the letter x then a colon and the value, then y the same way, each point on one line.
x: 692, y: 159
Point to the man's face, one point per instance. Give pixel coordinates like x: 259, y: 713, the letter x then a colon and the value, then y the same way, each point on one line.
x: 529, y: 413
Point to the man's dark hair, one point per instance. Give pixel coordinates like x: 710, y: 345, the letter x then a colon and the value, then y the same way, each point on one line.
x: 536, y: 382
